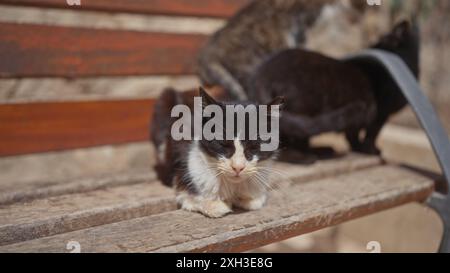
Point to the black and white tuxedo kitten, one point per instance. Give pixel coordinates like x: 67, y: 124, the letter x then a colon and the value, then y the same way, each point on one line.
x: 210, y: 176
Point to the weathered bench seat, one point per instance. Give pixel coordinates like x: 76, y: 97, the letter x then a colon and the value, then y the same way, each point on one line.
x: 140, y: 215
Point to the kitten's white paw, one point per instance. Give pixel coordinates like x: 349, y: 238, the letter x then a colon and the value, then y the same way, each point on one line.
x: 215, y: 209
x: 251, y: 204
x: 210, y: 208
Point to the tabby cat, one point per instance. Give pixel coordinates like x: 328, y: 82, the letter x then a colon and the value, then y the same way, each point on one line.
x: 255, y: 33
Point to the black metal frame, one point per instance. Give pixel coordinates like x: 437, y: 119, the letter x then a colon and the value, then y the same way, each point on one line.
x: 429, y: 120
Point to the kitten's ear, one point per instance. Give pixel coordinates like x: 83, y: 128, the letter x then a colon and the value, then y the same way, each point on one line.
x: 401, y: 30
x: 359, y: 5
x: 400, y: 33
x: 277, y: 101
x: 206, y: 99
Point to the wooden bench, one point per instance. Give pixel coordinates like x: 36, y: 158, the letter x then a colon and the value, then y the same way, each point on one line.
x: 133, y: 212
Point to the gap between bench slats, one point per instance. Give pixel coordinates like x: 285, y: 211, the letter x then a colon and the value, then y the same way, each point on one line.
x: 54, y: 215
x: 206, y: 8
x: 304, y: 208
x: 33, y: 90
x: 29, y: 50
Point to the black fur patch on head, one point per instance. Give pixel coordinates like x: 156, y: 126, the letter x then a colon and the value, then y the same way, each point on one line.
x: 401, y: 35
x: 218, y: 148
x: 404, y: 41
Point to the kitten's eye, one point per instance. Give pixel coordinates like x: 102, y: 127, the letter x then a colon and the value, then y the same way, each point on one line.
x: 218, y: 148
x: 226, y: 148
x: 251, y: 149
x: 223, y: 143
x: 253, y: 145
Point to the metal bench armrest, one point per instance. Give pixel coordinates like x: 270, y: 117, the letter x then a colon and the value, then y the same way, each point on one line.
x: 427, y: 117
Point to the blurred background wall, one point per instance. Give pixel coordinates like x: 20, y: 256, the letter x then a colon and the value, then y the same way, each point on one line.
x: 341, y: 34
x: 342, y: 31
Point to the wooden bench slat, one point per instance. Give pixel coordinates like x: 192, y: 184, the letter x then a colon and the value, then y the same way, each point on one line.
x: 28, y: 50
x: 54, y: 215
x: 312, y: 207
x: 207, y: 8
x: 304, y: 208
x: 13, y: 192
x: 40, y: 127
x: 65, y: 213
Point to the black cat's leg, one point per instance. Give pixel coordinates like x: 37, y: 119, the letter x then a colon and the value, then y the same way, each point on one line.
x: 303, y: 127
x: 299, y: 144
x: 369, y: 144
x: 297, y: 130
x: 296, y: 151
x: 313, y: 153
x: 352, y: 136
x: 296, y: 157
x: 324, y: 152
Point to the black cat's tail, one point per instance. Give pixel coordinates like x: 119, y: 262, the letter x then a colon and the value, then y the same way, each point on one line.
x: 303, y: 127
x: 160, y: 127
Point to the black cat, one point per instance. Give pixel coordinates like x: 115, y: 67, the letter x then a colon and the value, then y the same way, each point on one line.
x: 324, y: 94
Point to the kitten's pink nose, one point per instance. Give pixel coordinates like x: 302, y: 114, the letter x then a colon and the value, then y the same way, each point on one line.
x: 238, y: 168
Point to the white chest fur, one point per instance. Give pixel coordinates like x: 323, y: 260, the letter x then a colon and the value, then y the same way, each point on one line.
x: 214, y: 183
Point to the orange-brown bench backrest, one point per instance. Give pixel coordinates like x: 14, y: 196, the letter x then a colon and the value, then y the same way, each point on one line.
x: 31, y: 50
